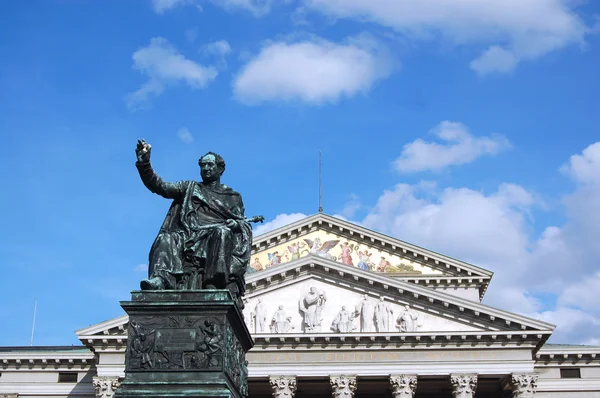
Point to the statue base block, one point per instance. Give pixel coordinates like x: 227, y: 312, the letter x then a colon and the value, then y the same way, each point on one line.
x: 185, y: 344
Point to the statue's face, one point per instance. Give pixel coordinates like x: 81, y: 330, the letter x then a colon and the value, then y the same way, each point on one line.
x: 209, y: 169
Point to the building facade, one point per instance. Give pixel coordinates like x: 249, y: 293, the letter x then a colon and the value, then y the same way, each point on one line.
x: 337, y: 310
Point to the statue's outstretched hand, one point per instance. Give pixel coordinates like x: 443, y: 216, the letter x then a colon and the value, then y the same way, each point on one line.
x: 142, y: 151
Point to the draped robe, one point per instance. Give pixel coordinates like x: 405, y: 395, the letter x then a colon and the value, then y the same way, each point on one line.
x: 194, y: 231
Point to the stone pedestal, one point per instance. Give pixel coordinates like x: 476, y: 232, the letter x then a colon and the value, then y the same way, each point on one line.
x: 185, y: 344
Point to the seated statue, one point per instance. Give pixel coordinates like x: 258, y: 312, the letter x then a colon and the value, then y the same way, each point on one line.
x: 205, y: 240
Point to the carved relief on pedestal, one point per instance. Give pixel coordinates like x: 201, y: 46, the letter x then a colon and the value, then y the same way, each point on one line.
x: 408, y: 320
x: 343, y: 321
x: 260, y: 314
x: 403, y: 386
x: 281, y: 322
x: 523, y: 385
x: 311, y: 306
x: 176, y: 342
x: 463, y: 386
x: 365, y: 312
x: 106, y: 386
x: 15, y: 395
x: 283, y: 386
x: 342, y: 386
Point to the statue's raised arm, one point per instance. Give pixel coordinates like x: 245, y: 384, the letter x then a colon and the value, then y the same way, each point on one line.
x: 205, y: 240
x: 152, y: 181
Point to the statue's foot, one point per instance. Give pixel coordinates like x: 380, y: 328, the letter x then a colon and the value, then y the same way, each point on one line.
x: 152, y: 284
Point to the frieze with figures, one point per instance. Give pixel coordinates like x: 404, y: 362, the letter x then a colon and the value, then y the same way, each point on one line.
x: 336, y: 248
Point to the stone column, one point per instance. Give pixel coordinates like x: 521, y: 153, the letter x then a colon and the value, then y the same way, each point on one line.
x: 523, y: 385
x: 463, y: 385
x: 342, y: 386
x: 403, y: 385
x: 105, y: 386
x: 283, y: 386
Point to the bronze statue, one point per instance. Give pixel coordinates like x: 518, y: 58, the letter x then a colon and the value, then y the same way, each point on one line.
x: 205, y: 240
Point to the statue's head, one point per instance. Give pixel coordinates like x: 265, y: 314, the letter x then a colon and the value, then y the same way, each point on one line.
x: 212, y: 166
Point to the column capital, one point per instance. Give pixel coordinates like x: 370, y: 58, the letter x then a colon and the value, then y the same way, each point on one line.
x: 106, y: 386
x: 523, y: 385
x: 463, y: 385
x: 342, y: 386
x: 403, y: 385
x: 283, y: 386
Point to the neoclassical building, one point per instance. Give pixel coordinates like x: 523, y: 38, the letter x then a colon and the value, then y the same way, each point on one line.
x: 337, y: 310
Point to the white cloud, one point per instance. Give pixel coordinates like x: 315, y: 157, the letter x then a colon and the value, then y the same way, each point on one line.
x: 160, y: 6
x: 185, y: 135
x: 584, y: 167
x: 494, y: 60
x: 351, y: 207
x: 279, y: 221
x: 313, y: 71
x: 461, y: 147
x: 219, y: 47
x: 165, y: 66
x: 257, y: 8
x: 515, y: 25
x: 494, y: 231
x: 141, y: 268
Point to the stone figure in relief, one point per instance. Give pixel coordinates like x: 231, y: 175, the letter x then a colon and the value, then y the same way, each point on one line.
x: 281, y: 323
x: 321, y: 250
x: 311, y: 307
x: 347, y: 253
x: 343, y: 321
x: 364, y: 310
x: 408, y: 320
x: 382, y: 315
x: 248, y: 316
x: 260, y: 313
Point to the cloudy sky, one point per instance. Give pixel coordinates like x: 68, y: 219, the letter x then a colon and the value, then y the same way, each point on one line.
x: 467, y: 127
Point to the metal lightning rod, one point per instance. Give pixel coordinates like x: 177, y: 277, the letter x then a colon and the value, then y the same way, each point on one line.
x: 33, y: 325
x: 320, y: 185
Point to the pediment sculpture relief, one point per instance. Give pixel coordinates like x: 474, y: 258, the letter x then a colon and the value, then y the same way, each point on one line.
x: 281, y: 322
x: 408, y: 320
x: 311, y: 306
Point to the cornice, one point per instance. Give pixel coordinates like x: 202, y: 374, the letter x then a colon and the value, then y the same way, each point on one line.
x: 564, y: 356
x: 45, y: 359
x: 408, y: 341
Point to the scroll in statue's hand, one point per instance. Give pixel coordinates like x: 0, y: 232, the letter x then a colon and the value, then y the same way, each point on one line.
x: 232, y: 224
x: 142, y: 151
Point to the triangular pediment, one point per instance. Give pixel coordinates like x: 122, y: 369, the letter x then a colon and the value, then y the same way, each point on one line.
x: 112, y: 331
x: 355, y: 246
x: 432, y: 312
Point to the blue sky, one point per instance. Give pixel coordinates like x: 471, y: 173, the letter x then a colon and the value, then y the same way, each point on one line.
x: 465, y: 127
